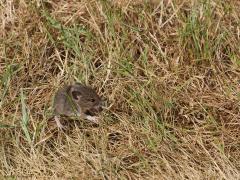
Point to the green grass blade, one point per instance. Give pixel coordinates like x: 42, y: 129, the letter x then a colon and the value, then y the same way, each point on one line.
x: 6, y: 78
x: 6, y: 126
x: 25, y: 118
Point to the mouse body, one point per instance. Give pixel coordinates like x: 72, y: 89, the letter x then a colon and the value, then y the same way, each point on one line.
x: 77, y: 100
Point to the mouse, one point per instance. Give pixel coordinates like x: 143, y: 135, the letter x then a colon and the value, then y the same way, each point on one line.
x: 77, y: 100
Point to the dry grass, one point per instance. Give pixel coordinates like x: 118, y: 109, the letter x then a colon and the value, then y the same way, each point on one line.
x: 170, y: 72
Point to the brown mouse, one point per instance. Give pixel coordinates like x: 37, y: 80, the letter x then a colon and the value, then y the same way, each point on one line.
x: 77, y: 100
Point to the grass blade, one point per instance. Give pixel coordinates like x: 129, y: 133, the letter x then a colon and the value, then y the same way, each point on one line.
x: 6, y: 78
x: 25, y: 118
x: 6, y: 126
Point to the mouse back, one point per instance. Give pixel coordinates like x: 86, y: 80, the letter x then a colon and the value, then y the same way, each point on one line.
x: 61, y: 101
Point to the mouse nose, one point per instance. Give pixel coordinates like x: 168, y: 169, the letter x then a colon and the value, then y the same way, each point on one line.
x: 98, y: 108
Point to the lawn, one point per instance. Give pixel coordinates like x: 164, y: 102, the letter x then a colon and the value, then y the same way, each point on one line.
x: 170, y: 73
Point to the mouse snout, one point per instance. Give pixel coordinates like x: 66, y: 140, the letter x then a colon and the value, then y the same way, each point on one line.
x: 98, y: 108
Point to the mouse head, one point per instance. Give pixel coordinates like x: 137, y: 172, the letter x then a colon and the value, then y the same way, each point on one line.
x: 85, y: 97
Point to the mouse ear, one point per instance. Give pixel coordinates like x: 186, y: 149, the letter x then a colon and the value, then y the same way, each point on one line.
x: 76, y: 95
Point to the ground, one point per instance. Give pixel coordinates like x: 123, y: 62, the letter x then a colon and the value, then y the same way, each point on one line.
x: 169, y: 71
